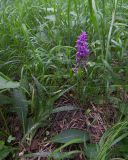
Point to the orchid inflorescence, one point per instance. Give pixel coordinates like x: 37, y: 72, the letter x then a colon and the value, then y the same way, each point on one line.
x: 82, y: 48
x: 82, y: 51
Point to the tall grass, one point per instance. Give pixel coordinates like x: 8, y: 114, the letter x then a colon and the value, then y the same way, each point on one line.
x: 37, y: 48
x: 38, y: 38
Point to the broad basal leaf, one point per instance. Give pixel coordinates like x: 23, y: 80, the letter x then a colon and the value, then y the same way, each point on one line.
x: 5, y: 99
x: 56, y: 156
x: 91, y: 151
x: 65, y: 108
x: 71, y: 134
x: 21, y: 106
x: 6, y: 84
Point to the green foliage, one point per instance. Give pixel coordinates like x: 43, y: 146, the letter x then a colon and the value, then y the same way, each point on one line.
x: 69, y: 135
x: 4, y: 150
x: 91, y: 151
x: 21, y: 107
x: 7, y: 84
x: 113, y: 143
x: 112, y: 140
x: 37, y: 52
x: 56, y: 156
x: 5, y: 99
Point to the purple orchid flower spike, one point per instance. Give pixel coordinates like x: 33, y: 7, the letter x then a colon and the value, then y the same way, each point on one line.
x: 82, y: 49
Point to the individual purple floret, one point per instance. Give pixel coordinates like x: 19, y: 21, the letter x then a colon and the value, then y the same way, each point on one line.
x: 82, y: 48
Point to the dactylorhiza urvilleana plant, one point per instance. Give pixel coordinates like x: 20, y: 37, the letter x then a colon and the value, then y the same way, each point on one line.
x: 82, y: 51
